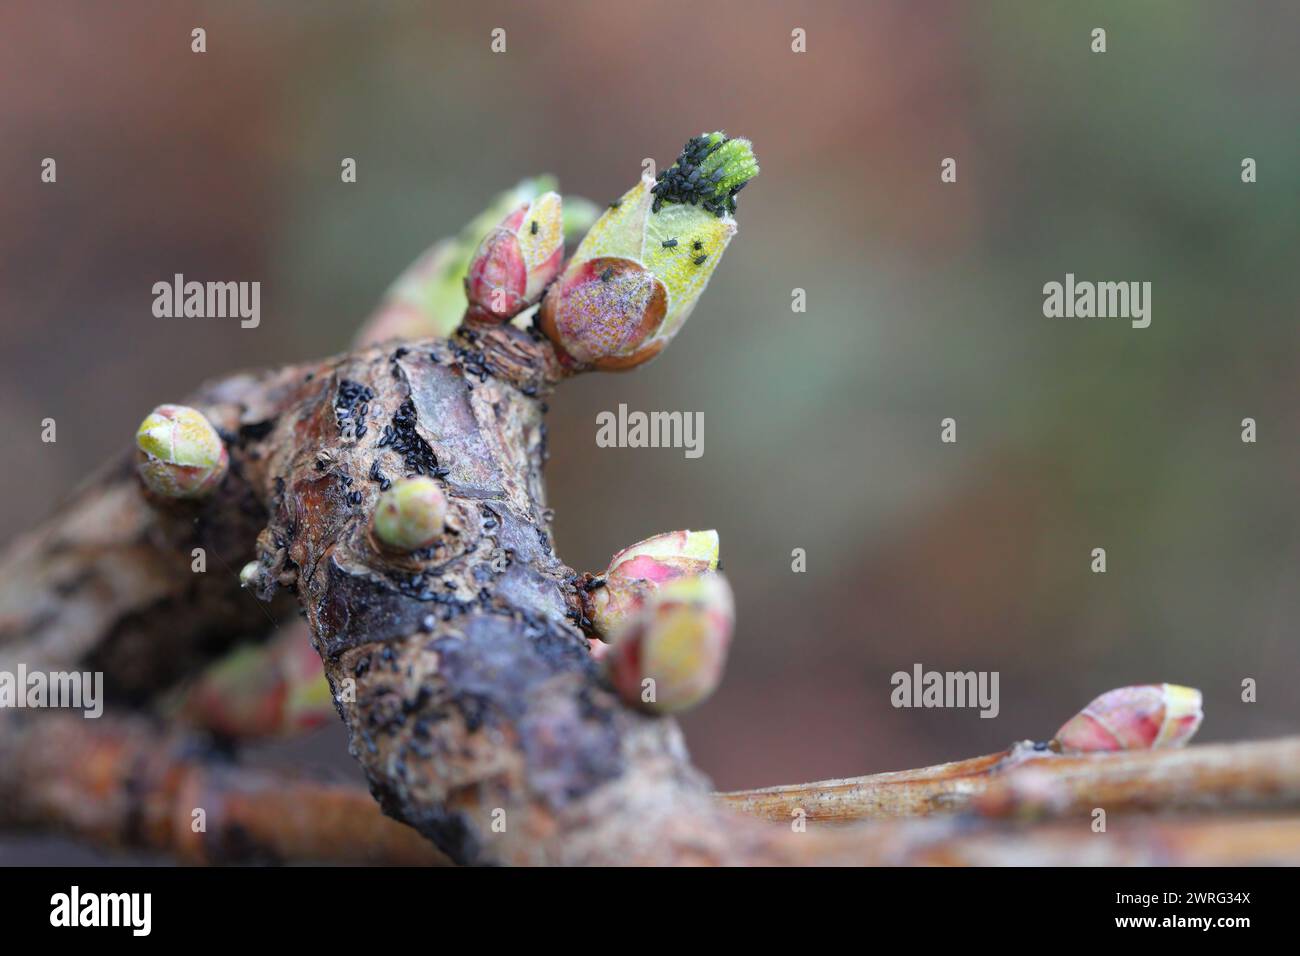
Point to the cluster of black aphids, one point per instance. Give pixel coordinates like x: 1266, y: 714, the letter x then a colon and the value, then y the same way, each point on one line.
x: 685, y: 182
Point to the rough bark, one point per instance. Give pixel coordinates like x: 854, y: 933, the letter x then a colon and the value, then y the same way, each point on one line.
x: 475, y: 697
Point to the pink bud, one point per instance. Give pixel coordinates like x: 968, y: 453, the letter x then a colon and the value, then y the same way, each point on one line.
x: 1143, y: 717
x: 516, y: 260
x: 264, y: 690
x: 639, y: 570
x: 496, y: 279
x: 605, y: 312
x: 671, y: 655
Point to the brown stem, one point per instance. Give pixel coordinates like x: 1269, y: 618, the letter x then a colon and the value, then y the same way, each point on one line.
x: 119, y: 784
x: 1022, y: 780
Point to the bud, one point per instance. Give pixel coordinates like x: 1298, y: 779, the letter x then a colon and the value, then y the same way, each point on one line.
x: 635, y: 278
x: 410, y: 515
x: 636, y: 572
x: 678, y: 640
x: 428, y: 299
x: 517, y: 260
x: 180, y: 453
x: 262, y: 690
x: 308, y: 700
x: 1134, y: 718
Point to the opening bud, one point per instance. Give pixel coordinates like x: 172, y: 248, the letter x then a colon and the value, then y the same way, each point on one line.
x: 638, y: 571
x: 638, y: 273
x: 1143, y: 717
x: 428, y: 299
x: 180, y: 454
x: 672, y: 653
x: 517, y: 260
x: 410, y: 515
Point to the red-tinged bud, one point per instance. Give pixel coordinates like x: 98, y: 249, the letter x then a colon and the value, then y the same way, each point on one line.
x: 637, y: 571
x: 1143, y: 717
x: 179, y: 453
x: 672, y: 653
x: 497, y: 277
x: 269, y: 690
x: 605, y: 312
x: 636, y: 276
x: 516, y: 260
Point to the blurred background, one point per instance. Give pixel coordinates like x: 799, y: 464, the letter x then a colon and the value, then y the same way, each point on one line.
x: 924, y: 301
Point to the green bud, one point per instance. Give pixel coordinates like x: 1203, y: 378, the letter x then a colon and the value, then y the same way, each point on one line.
x: 672, y: 653
x: 180, y: 454
x: 410, y: 515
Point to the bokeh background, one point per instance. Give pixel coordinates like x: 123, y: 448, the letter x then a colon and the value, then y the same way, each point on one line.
x: 822, y: 428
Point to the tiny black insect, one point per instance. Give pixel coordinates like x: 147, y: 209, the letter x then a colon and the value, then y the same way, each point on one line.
x: 533, y: 227
x: 670, y: 243
x: 697, y: 245
x: 699, y: 260
x: 607, y: 274
x: 615, y: 204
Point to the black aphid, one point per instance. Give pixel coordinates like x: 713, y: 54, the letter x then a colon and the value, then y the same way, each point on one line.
x: 406, y: 441
x: 352, y: 397
x: 533, y: 228
x: 685, y: 182
x: 670, y: 243
x: 699, y: 260
x: 607, y: 274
